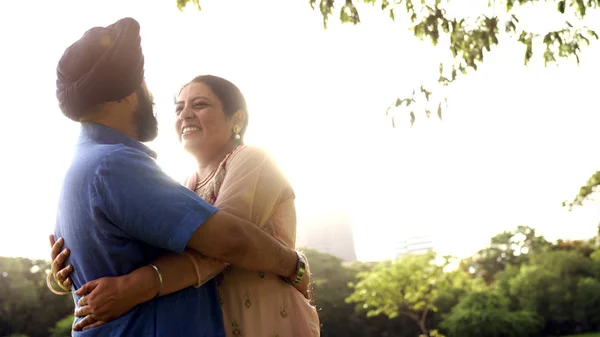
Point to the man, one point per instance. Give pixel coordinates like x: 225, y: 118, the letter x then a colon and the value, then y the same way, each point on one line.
x: 118, y: 211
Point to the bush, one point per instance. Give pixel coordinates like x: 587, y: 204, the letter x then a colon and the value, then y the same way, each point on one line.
x: 63, y: 327
x: 487, y: 314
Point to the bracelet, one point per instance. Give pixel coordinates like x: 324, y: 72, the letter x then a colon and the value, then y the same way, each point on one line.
x: 49, y: 285
x: 160, y: 279
x: 60, y: 285
x: 199, y: 277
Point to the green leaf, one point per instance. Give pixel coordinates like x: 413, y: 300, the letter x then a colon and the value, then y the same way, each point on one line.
x: 561, y: 6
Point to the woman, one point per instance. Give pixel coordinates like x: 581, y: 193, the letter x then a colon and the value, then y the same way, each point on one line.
x: 238, y: 179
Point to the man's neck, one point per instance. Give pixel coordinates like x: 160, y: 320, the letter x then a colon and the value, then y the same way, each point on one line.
x: 124, y: 128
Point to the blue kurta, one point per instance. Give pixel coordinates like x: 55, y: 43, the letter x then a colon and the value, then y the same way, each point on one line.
x: 119, y: 211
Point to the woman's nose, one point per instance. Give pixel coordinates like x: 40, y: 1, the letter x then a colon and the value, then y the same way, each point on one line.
x: 186, y: 114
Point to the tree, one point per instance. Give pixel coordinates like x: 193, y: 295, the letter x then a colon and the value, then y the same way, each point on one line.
x: 487, y: 313
x: 561, y: 287
x: 583, y: 247
x: 507, y: 248
x: 26, y: 305
x: 63, y: 328
x: 587, y: 303
x: 410, y: 287
x: 586, y: 192
x: 338, y: 318
x: 467, y: 38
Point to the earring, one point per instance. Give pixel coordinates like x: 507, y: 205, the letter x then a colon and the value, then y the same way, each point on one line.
x: 236, y: 131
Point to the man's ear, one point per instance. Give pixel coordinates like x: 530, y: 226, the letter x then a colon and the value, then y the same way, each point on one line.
x: 131, y: 99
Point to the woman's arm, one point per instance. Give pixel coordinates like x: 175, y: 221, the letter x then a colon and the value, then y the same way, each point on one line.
x: 107, y: 298
x: 177, y: 272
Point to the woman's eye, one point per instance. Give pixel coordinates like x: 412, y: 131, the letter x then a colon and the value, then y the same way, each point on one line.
x: 199, y: 105
x: 178, y: 110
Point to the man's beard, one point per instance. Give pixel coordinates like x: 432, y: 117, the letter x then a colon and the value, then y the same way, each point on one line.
x: 146, y: 124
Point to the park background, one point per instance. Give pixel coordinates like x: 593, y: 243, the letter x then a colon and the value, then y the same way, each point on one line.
x: 513, y: 143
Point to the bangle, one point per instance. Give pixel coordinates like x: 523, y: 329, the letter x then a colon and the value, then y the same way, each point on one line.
x: 60, y: 285
x: 160, y: 279
x: 49, y: 284
x: 198, y: 276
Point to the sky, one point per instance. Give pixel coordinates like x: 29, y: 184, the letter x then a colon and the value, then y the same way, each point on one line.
x: 514, y: 143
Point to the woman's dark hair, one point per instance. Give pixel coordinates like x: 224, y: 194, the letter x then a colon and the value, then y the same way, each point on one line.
x: 229, y: 94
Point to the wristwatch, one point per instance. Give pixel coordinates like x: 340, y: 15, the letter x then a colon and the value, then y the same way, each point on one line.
x: 300, y: 271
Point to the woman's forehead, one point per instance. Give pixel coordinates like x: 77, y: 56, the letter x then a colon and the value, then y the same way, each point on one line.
x: 193, y: 90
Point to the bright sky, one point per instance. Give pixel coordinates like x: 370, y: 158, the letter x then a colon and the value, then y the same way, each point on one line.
x: 514, y: 143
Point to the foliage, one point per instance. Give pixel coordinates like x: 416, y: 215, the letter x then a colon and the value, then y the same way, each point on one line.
x: 432, y: 333
x: 587, y: 302
x: 586, y: 192
x: 559, y: 286
x: 507, y: 248
x: 405, y: 286
x: 338, y: 318
x: 26, y: 305
x: 411, y: 286
x: 487, y: 313
x: 583, y: 247
x: 465, y: 37
x: 63, y: 328
x: 543, y: 289
x: 537, y: 289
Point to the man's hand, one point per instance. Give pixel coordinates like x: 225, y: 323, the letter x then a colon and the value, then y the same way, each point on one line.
x: 58, y: 258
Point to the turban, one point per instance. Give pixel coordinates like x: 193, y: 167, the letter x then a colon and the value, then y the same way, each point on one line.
x: 106, y: 64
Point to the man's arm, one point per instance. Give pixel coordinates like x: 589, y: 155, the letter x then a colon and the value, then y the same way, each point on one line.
x: 138, y: 197
x: 228, y: 238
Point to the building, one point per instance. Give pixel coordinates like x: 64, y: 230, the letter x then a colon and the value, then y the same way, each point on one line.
x: 414, y: 245
x: 330, y: 233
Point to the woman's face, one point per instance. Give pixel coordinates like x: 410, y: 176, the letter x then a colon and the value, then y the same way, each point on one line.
x: 201, y: 124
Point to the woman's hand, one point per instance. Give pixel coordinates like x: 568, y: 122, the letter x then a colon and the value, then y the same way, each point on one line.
x: 103, y: 300
x: 58, y: 258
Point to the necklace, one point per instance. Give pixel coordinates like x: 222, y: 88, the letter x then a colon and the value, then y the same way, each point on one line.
x: 205, y: 181
x: 201, y: 184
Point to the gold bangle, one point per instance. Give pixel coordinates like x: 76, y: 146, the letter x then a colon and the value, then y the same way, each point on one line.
x: 198, y: 276
x: 49, y: 285
x: 60, y: 285
x: 160, y: 279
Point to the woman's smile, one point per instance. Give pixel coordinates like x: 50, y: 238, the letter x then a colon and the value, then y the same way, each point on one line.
x: 188, y: 131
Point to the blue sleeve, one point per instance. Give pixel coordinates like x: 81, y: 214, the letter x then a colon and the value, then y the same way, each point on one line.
x: 138, y: 197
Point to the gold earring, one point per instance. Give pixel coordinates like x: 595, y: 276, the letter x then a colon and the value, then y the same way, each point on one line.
x: 236, y: 131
